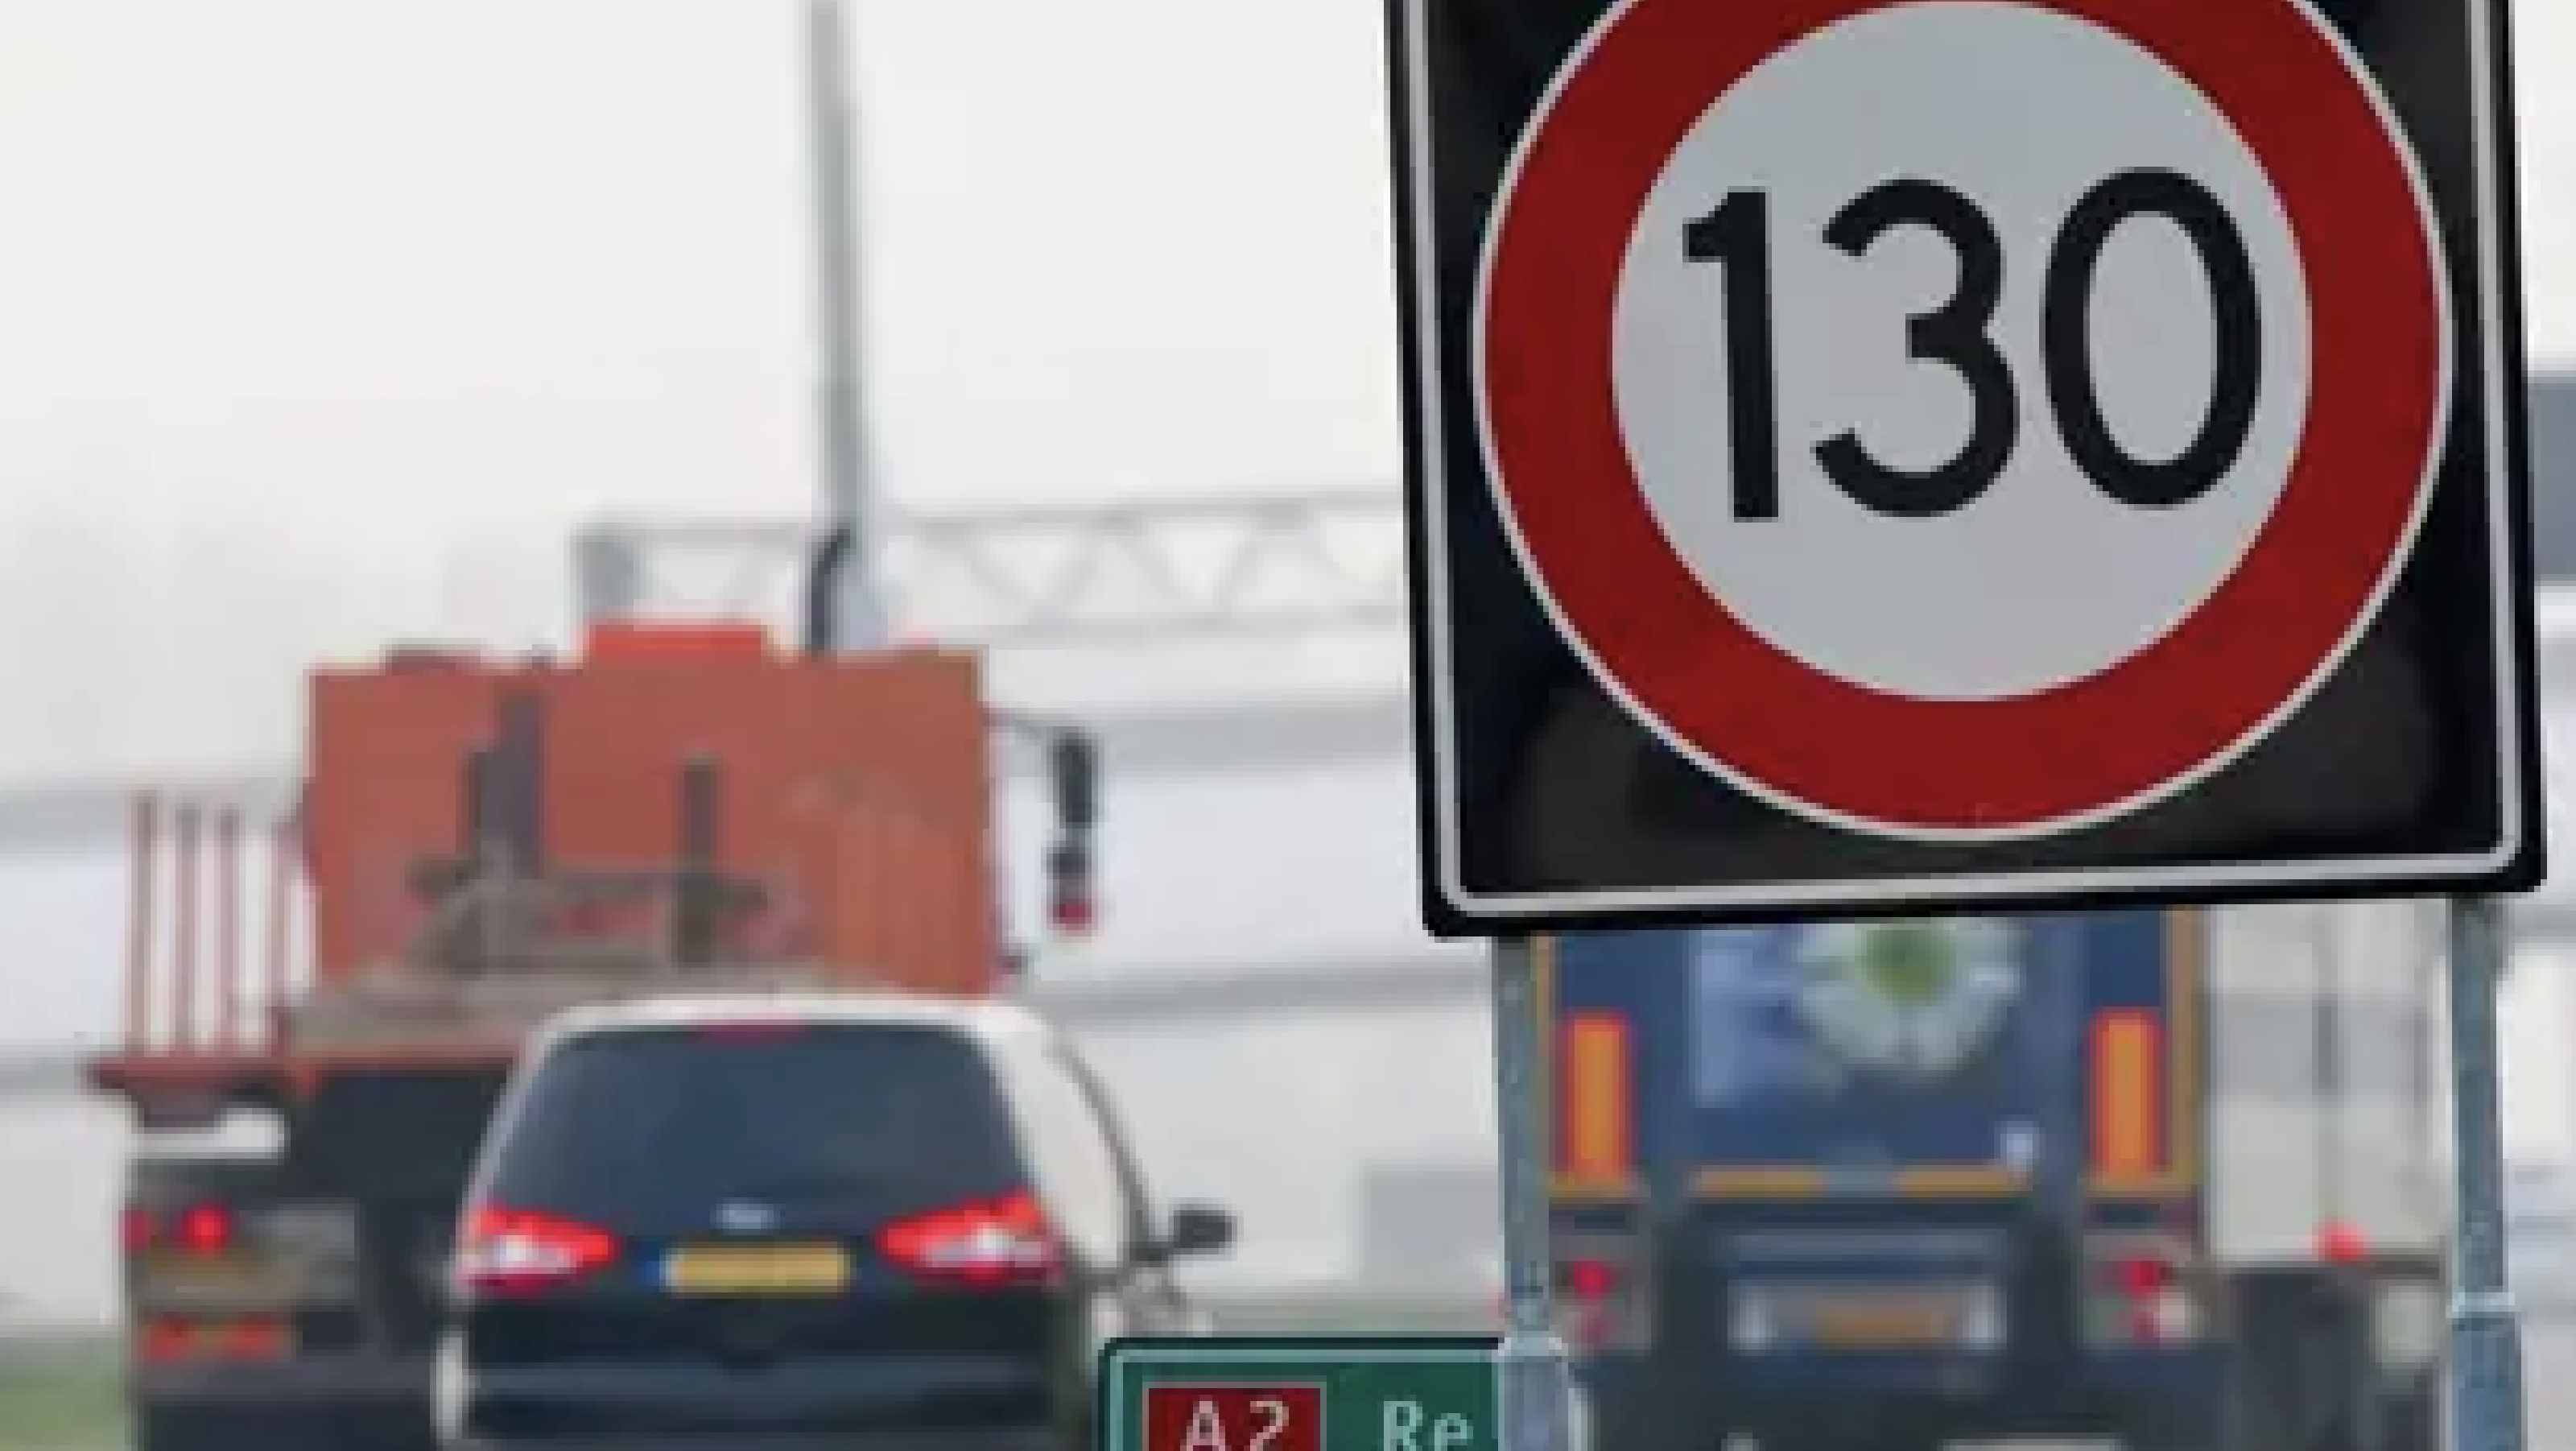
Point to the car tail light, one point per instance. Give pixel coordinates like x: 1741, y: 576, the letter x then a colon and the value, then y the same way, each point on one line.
x: 205, y: 1229
x: 992, y: 1242
x: 517, y: 1251
x: 137, y: 1230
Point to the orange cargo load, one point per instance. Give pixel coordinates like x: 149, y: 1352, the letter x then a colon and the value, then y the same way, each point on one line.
x: 682, y: 809
x: 857, y: 791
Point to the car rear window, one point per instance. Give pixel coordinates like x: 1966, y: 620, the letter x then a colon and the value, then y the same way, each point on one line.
x: 652, y: 1128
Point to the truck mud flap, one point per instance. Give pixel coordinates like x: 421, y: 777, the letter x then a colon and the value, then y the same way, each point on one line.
x: 405, y: 1250
x: 395, y: 1132
x: 2044, y: 1343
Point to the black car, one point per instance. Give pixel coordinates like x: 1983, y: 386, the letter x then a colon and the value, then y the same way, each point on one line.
x: 758, y: 1224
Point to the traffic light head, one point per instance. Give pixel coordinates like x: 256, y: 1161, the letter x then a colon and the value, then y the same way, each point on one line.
x: 1072, y: 908
x: 1074, y: 764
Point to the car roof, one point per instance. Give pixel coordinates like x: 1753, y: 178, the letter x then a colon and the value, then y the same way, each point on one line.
x: 991, y: 1024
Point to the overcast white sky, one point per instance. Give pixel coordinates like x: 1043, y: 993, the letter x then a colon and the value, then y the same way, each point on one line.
x: 319, y: 320
x: 516, y: 259
x: 338, y: 313
x: 353, y: 263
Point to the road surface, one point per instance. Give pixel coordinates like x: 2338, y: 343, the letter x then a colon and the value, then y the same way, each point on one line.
x: 2549, y: 1362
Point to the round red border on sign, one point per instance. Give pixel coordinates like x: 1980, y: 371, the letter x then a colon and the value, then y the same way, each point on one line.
x: 2053, y: 759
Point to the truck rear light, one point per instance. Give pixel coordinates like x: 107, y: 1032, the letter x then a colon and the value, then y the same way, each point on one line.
x: 200, y: 1229
x: 1604, y: 1292
x: 168, y: 1340
x: 262, y: 1338
x: 1003, y: 1241
x: 1588, y: 1279
x: 205, y: 1229
x: 1585, y: 1289
x: 159, y: 1342
x: 2139, y: 1276
x: 518, y: 1251
x: 2150, y: 1299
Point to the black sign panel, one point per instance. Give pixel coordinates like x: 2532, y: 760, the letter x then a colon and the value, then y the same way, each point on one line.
x: 1929, y: 457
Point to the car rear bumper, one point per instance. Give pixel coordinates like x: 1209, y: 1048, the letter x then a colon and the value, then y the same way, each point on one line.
x: 1033, y: 1439
x: 968, y: 1405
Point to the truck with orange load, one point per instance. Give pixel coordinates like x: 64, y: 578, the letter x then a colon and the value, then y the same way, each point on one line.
x: 478, y: 844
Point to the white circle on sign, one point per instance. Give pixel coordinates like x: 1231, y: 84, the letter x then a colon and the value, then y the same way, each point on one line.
x: 2044, y: 579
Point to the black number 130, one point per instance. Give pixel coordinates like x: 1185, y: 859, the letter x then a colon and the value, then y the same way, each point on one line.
x: 1736, y: 235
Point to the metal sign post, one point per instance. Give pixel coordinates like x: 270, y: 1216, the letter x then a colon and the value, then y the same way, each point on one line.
x: 2486, y: 1341
x: 1537, y: 1385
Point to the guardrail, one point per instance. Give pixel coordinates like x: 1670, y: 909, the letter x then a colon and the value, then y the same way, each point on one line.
x: 1264, y: 1309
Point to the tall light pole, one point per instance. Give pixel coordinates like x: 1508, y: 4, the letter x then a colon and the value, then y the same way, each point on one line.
x: 849, y: 497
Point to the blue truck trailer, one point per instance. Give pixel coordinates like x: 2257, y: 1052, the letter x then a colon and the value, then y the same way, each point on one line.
x: 2172, y: 1178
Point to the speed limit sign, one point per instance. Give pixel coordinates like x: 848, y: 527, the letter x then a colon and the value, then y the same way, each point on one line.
x: 1945, y: 453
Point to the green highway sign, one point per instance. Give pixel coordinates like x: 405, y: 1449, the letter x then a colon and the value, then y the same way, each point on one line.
x: 1300, y: 1393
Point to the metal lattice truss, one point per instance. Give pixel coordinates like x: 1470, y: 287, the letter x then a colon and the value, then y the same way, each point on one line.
x: 1146, y: 571
x: 1166, y: 570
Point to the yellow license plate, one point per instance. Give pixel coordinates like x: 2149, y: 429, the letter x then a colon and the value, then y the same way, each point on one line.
x: 766, y: 1270
x: 1883, y: 1324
